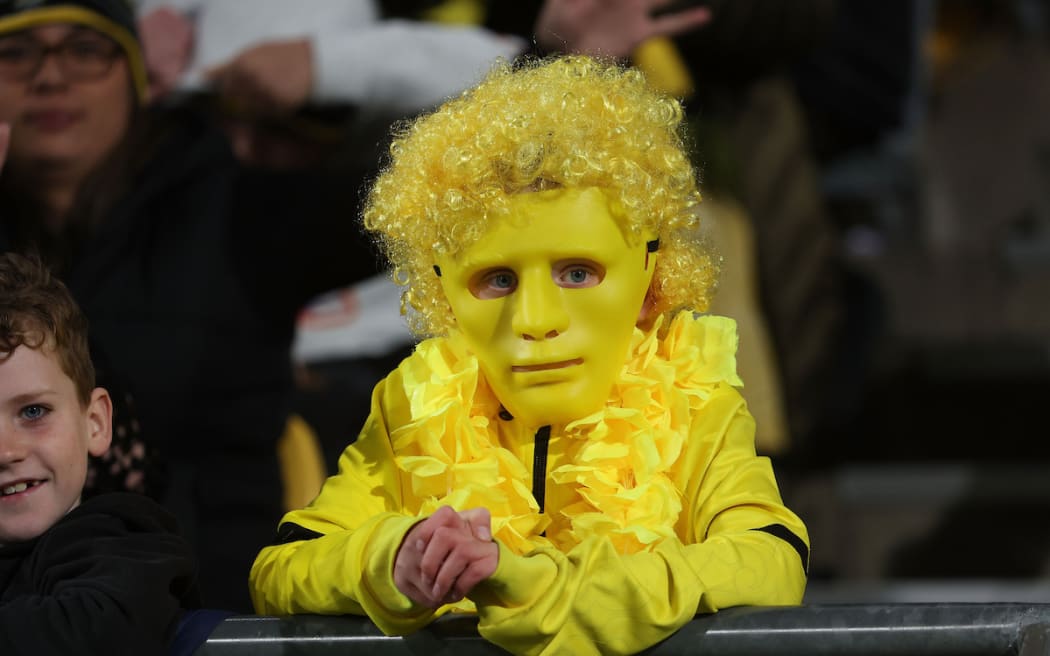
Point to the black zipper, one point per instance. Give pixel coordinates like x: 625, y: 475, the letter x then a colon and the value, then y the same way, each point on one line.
x: 539, y: 465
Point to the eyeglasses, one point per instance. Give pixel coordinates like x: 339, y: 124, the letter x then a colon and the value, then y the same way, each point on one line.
x: 80, y: 58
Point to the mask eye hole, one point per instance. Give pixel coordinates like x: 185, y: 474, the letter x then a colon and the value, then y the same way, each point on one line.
x: 578, y: 274
x: 493, y: 283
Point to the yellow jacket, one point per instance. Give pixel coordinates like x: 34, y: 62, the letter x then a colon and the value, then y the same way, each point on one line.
x: 650, y: 511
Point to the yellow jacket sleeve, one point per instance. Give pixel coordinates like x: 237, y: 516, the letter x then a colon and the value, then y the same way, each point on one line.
x: 737, y: 545
x: 351, y: 532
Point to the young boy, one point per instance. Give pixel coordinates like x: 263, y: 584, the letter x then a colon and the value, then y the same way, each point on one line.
x: 107, y: 576
x: 569, y: 457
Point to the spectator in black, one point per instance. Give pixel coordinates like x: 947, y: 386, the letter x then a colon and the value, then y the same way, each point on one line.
x: 107, y: 575
x: 190, y: 267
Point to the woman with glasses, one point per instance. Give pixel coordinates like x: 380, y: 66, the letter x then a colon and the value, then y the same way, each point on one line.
x: 68, y: 90
x: 189, y: 266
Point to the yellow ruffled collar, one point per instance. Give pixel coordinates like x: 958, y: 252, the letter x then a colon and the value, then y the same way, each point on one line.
x: 621, y: 458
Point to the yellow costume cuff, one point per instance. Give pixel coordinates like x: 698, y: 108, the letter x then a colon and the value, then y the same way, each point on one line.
x: 379, y: 567
x: 497, y: 590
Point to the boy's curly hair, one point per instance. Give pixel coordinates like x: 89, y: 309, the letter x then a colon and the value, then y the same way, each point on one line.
x: 565, y: 122
x: 37, y: 311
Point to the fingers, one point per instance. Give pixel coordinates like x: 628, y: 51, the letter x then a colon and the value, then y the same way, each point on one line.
x: 426, y: 570
x: 680, y: 22
x: 422, y: 534
x: 446, y: 529
x: 409, y: 574
x: 441, y: 545
x: 406, y: 570
x: 445, y: 517
x: 239, y: 83
x: 480, y: 568
x: 450, y: 567
x: 466, y: 562
x: 443, y: 557
x: 216, y: 74
x: 220, y: 77
x: 480, y: 522
x: 274, y: 77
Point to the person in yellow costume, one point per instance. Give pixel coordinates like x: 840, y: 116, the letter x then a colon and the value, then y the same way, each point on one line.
x: 567, y: 455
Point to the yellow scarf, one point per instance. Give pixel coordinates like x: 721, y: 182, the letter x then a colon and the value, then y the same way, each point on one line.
x: 621, y: 458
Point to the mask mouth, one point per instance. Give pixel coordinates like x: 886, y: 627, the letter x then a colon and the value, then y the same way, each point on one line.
x: 546, y: 366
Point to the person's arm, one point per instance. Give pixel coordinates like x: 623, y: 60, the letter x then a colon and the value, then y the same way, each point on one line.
x: 336, y: 556
x: 399, y: 67
x: 402, y: 67
x: 738, y: 545
x: 110, y: 578
x: 391, y: 67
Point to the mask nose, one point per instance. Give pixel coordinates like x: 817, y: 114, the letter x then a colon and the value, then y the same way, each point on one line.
x: 539, y: 311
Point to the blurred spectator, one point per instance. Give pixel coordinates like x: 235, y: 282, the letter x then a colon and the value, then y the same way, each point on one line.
x: 378, y: 60
x: 278, y: 72
x: 190, y: 267
x: 275, y: 56
x: 370, y: 63
x: 752, y: 144
x: 737, y: 62
x: 855, y: 84
x: 753, y: 141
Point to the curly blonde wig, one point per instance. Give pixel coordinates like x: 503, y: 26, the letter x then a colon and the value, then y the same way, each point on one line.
x: 567, y: 122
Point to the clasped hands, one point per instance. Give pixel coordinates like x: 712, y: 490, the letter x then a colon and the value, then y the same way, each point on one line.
x: 444, y: 556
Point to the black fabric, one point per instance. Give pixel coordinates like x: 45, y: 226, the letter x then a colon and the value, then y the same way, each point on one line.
x: 292, y: 532
x: 111, y: 577
x: 752, y: 39
x: 785, y: 534
x: 412, y: 9
x: 119, y: 11
x: 539, y: 466
x: 191, y: 284
x: 855, y: 86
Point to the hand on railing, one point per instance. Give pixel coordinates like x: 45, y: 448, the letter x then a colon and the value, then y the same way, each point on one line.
x: 443, y: 557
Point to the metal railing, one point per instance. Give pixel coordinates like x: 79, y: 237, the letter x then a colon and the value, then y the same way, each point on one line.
x: 930, y: 629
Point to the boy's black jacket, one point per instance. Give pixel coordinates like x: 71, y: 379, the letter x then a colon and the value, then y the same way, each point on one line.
x: 111, y: 577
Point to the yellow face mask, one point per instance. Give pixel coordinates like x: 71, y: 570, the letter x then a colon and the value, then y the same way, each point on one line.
x: 547, y: 299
